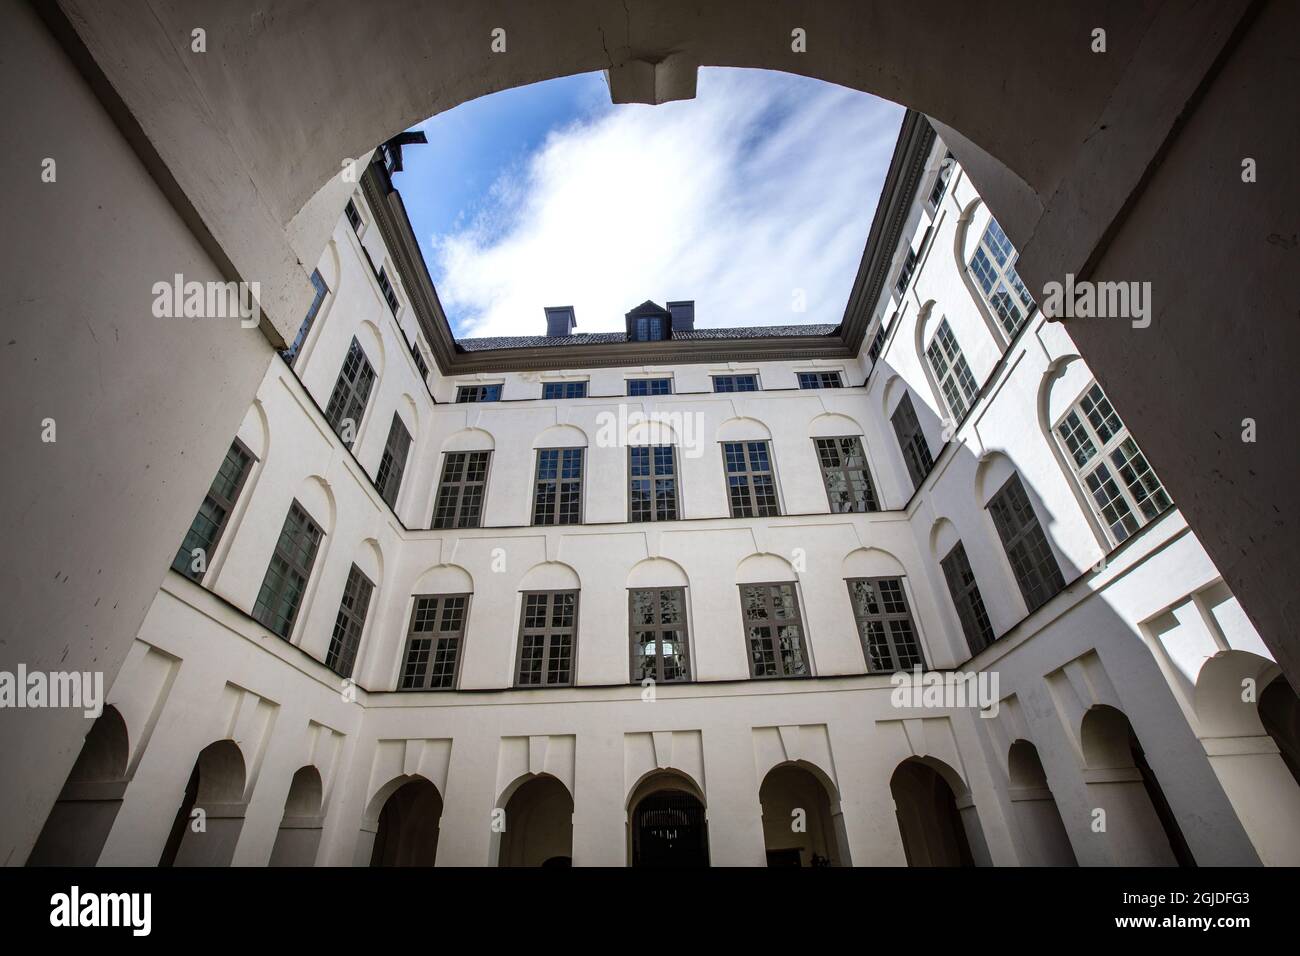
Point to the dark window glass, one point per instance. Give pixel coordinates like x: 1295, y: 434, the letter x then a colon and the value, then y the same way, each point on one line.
x: 657, y: 621
x: 318, y: 283
x: 916, y: 452
x: 354, y: 217
x: 351, y: 392
x: 735, y: 383
x: 557, y: 492
x: 773, y: 630
x: 386, y: 287
x: 751, y: 483
x: 1031, y: 558
x: 548, y: 634
x: 652, y: 483
x: 941, y: 181
x: 844, y: 471
x: 885, y: 624
x: 433, y: 641
x: 649, y: 328
x: 478, y: 393
x: 975, y: 623
x: 346, y: 639
x: 420, y: 363
x: 878, y: 343
x: 905, y: 274
x: 290, y: 568
x: 951, y: 371
x: 649, y: 386
x: 820, y: 380
x: 564, y: 390
x: 460, y: 493
x: 391, y: 466
x: 994, y: 269
x: 210, y: 522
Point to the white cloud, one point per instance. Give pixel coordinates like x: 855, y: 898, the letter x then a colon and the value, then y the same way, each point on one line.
x: 764, y: 184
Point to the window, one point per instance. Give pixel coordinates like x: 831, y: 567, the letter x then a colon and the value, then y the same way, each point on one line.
x: 650, y: 328
x: 548, y: 629
x: 657, y: 619
x: 751, y: 485
x: 1027, y: 549
x: 652, y: 483
x: 820, y: 380
x: 351, y: 392
x: 557, y: 493
x: 478, y: 393
x: 941, y: 181
x: 208, y: 525
x: 649, y: 386
x: 389, y: 477
x: 844, y: 470
x: 951, y: 372
x: 885, y: 624
x: 420, y: 363
x: 975, y: 623
x: 386, y: 288
x: 346, y: 639
x: 564, y: 390
x: 994, y: 269
x: 287, y: 575
x: 878, y: 343
x: 460, y: 493
x: 1100, y: 448
x: 774, y: 630
x: 916, y: 452
x: 735, y: 383
x: 905, y: 273
x: 318, y: 282
x: 354, y: 217
x: 433, y: 642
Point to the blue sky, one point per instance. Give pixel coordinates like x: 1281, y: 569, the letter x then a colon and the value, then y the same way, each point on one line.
x: 753, y: 199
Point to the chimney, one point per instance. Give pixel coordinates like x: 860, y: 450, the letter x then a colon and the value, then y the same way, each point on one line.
x: 560, y: 321
x: 683, y: 315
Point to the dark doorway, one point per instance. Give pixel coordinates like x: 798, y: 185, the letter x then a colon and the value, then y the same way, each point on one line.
x: 668, y: 829
x: 928, y: 819
x: 408, y: 826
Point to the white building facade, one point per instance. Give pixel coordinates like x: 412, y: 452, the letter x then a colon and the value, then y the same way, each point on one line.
x: 653, y: 612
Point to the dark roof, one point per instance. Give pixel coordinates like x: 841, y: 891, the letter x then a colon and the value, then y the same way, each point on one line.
x: 606, y: 338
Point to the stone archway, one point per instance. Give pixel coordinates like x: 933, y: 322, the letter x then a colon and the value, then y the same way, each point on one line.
x: 667, y: 823
x: 298, y: 838
x: 407, y: 830
x: 211, y: 814
x: 933, y: 826
x: 1035, y: 809
x: 538, y: 824
x: 800, y: 826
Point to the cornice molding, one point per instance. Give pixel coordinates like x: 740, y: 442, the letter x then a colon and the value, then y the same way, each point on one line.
x: 915, y: 139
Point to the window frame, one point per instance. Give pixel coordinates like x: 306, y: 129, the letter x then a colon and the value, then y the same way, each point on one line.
x: 745, y: 623
x: 659, y: 628
x: 821, y: 377
x: 389, y: 291
x: 842, y: 468
x: 458, y: 636
x: 965, y: 598
x: 359, y: 223
x: 389, y: 457
x: 352, y: 394
x: 915, y: 441
x: 564, y: 385
x: 353, y: 626
x: 650, y: 393
x: 1102, y: 457
x: 303, y: 571
x: 551, y: 593
x: 478, y: 388
x: 949, y: 365
x: 947, y: 166
x: 905, y: 272
x: 461, y: 484
x: 1003, y: 273
x: 227, y: 505
x: 673, y: 476
x: 1019, y: 539
x: 559, y: 481
x: 749, y: 473
x: 733, y: 376
x: 884, y: 617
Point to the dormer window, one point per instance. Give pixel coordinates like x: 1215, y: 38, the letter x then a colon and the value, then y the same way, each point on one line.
x: 649, y: 328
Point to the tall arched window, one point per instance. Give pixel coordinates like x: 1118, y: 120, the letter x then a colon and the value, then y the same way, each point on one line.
x: 1121, y: 483
x: 994, y: 267
x: 951, y: 372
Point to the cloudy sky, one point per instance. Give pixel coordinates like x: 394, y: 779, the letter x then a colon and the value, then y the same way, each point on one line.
x: 754, y: 196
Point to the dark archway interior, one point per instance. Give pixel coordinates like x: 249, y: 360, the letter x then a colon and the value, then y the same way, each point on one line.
x: 539, y: 825
x: 669, y: 830
x: 408, y: 826
x: 928, y: 819
x: 1279, y: 712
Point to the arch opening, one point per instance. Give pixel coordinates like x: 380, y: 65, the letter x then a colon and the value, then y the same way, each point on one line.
x: 800, y: 825
x: 211, y: 814
x: 407, y: 834
x: 933, y: 829
x: 298, y: 839
x: 1042, y: 830
x: 538, y: 825
x: 667, y: 824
